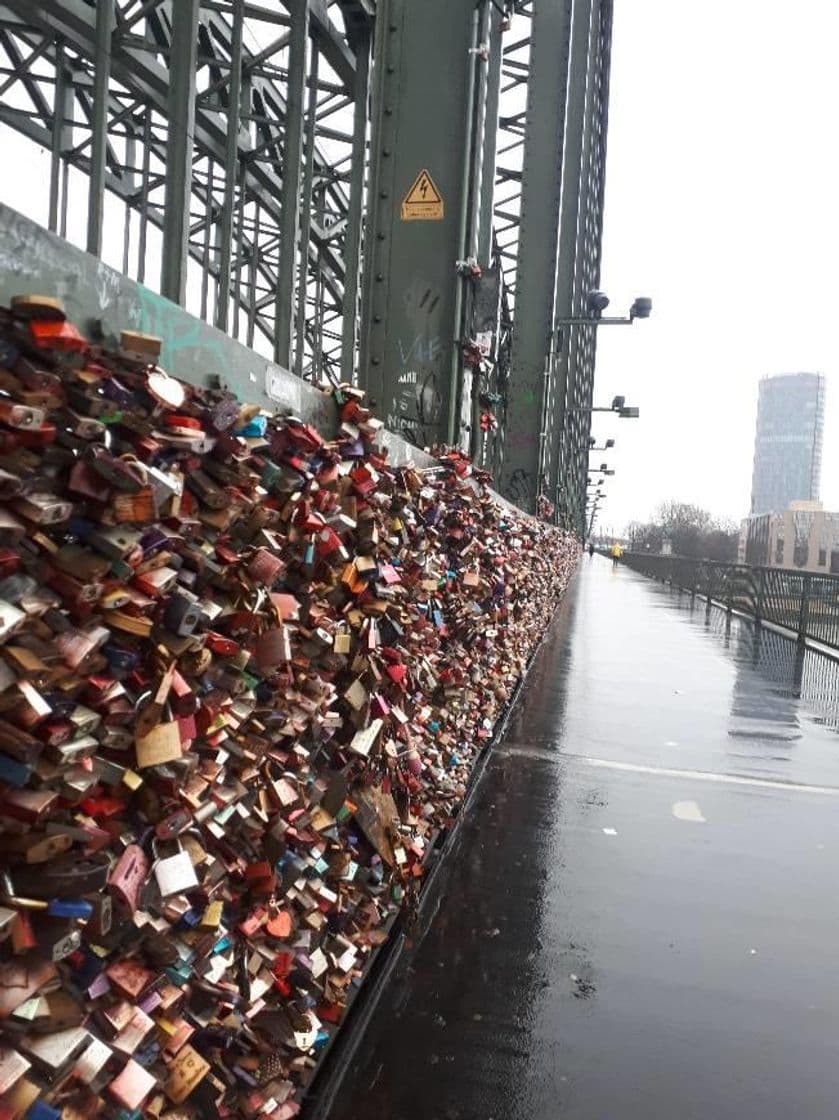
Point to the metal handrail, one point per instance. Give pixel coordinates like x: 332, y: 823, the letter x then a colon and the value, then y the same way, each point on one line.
x: 805, y: 603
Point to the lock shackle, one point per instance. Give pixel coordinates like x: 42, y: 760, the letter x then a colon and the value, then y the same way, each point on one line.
x: 137, y: 465
x: 258, y: 596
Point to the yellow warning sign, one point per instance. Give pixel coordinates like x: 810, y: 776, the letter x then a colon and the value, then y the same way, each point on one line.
x: 423, y: 202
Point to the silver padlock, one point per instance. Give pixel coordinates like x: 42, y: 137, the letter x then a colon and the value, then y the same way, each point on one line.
x: 174, y: 874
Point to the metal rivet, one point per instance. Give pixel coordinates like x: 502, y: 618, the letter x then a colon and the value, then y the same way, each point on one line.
x: 375, y: 361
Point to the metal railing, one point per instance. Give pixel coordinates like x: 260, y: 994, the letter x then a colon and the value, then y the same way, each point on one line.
x: 803, y: 602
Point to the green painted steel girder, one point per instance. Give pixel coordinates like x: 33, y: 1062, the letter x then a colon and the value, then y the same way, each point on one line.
x: 181, y: 140
x: 427, y: 72
x: 531, y: 360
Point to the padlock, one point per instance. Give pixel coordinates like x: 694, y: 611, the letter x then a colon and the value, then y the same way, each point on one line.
x: 264, y: 568
x: 101, y: 919
x: 124, y: 476
x: 273, y: 648
x: 138, y: 508
x: 56, y: 939
x: 182, y: 613
x: 20, y: 416
x: 11, y: 619
x: 81, y: 563
x: 211, y: 495
x: 85, y: 482
x: 42, y: 508
x: 129, y: 876
x: 85, y: 427
x: 173, y: 825
x: 174, y: 874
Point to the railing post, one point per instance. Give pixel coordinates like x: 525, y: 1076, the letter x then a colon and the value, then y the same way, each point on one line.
x: 761, y: 595
x: 804, y: 609
x: 710, y: 594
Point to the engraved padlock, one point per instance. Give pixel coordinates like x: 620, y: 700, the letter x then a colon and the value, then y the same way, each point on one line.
x: 174, y: 874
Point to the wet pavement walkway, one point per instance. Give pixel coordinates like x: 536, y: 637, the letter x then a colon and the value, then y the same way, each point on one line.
x: 641, y: 918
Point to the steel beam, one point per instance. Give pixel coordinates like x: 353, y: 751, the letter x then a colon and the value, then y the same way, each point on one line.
x: 410, y: 279
x: 570, y: 245
x: 104, y: 30
x: 306, y: 214
x: 179, y: 149
x: 492, y: 98
x: 583, y: 341
x: 61, y: 130
x: 521, y: 469
x: 231, y: 161
x: 352, y: 247
x: 332, y: 43
x: 290, y: 195
x: 458, y: 402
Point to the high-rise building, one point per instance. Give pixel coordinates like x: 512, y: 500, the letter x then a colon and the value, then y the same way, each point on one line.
x: 788, y: 441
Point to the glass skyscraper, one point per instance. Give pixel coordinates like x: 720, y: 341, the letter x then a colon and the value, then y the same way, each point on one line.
x: 788, y: 441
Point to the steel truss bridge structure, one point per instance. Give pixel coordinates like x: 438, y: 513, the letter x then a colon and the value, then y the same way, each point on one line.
x: 404, y: 194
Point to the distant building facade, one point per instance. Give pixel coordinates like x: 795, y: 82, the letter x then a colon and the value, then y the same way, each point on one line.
x: 788, y: 441
x: 805, y: 536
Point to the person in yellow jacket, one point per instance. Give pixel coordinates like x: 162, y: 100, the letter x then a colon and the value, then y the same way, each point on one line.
x: 615, y: 552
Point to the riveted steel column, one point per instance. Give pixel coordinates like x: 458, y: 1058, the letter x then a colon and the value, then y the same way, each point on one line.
x: 520, y: 476
x: 306, y: 219
x: 99, y: 125
x: 568, y: 262
x: 290, y: 196
x: 179, y: 148
x: 231, y: 160
x: 352, y: 247
x: 490, y: 141
x: 581, y: 342
x: 62, y: 130
x: 420, y: 90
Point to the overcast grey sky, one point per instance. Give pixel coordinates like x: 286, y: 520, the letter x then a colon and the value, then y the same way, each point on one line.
x: 721, y: 203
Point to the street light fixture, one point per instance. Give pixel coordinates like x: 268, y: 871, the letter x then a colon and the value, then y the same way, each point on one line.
x: 596, y: 304
x: 618, y: 406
